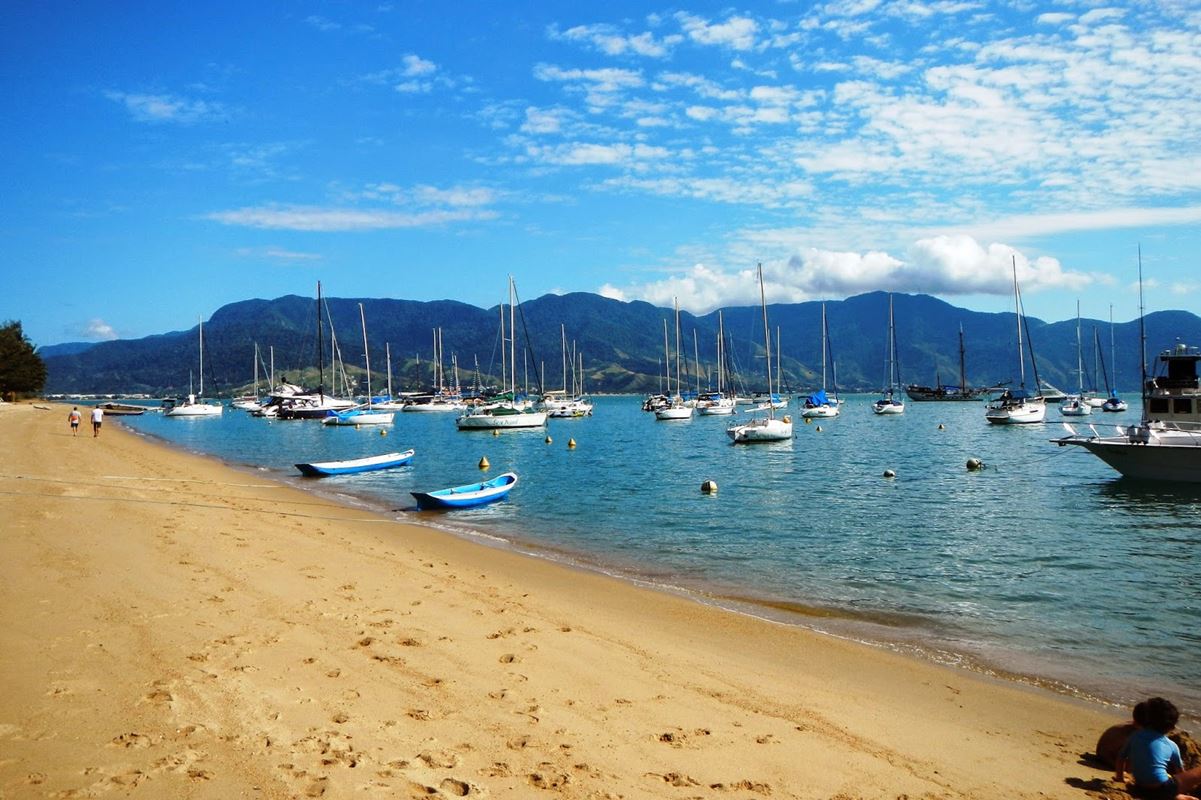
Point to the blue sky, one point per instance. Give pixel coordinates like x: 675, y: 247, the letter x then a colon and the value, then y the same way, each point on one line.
x: 162, y: 159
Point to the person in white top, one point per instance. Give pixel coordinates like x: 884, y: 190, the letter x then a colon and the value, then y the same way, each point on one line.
x: 97, y: 418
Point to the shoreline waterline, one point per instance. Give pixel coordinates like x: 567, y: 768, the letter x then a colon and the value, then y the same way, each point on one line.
x: 942, y: 640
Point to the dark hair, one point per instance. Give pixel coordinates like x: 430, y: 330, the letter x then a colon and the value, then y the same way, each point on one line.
x: 1158, y: 714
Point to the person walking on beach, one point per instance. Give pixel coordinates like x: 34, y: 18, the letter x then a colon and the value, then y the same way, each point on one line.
x: 74, y: 417
x: 1154, y: 759
x: 97, y: 418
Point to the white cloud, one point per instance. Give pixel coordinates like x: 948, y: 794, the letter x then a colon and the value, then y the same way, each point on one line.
x: 277, y: 254
x: 611, y: 41
x: 942, y: 265
x: 166, y: 108
x: 416, y: 66
x: 584, y: 153
x: 99, y: 330
x: 736, y: 32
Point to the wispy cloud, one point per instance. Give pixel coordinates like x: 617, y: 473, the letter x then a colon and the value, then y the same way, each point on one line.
x: 277, y: 254
x: 318, y: 219
x: 610, y: 40
x: 737, y: 33
x: 166, y: 108
x: 377, y: 206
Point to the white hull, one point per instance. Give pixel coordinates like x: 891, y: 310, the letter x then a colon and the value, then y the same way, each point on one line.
x: 763, y: 429
x: 717, y: 410
x: 431, y: 408
x: 1146, y: 452
x: 884, y: 407
x: 1075, y: 407
x: 1023, y: 413
x: 195, y: 410
x: 820, y: 412
x: 674, y: 413
x: 484, y: 420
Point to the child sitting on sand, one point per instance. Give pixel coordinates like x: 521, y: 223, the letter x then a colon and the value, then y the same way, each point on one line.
x: 1153, y: 758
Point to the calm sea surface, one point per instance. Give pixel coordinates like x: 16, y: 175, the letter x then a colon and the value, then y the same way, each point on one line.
x: 1045, y: 565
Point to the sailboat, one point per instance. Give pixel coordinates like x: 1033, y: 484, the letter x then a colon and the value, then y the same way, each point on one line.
x: 1112, y: 402
x: 940, y: 393
x: 676, y: 408
x: 1018, y: 406
x: 252, y: 401
x: 442, y: 398
x: 301, y: 404
x: 507, y: 413
x: 195, y: 406
x: 361, y: 416
x: 819, y: 405
x: 890, y: 403
x: 1076, y: 405
x: 566, y: 404
x: 711, y: 404
x: 768, y: 428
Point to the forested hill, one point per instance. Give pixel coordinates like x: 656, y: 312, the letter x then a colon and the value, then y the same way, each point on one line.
x: 621, y: 344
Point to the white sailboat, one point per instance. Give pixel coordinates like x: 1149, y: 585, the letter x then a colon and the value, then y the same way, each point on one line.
x: 360, y: 415
x: 1112, y: 402
x: 676, y: 408
x: 195, y: 406
x: 766, y: 428
x: 443, y: 398
x: 890, y: 403
x: 507, y: 413
x: 1018, y: 406
x: 1076, y: 405
x: 819, y: 405
x: 719, y: 403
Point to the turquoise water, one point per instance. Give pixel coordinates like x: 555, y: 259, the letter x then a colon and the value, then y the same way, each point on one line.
x: 1045, y: 565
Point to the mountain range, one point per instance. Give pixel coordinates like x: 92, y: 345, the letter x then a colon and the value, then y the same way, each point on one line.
x: 621, y: 343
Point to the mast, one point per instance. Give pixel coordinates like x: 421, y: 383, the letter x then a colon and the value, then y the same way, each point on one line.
x: 779, y: 379
x: 1079, y: 356
x: 1017, y: 315
x: 696, y: 362
x: 1142, y: 334
x: 201, y: 358
x: 824, y: 338
x: 766, y: 342
x: 563, y: 344
x: 677, y: 304
x: 1113, y: 354
x: 388, y: 356
x: 962, y: 370
x: 366, y: 353
x: 666, y: 357
x: 320, y: 348
x: 512, y: 344
x: 271, y: 352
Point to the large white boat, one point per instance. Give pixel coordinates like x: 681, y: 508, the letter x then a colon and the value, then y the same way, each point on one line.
x: 194, y: 405
x: 1166, y: 444
x: 767, y: 428
x: 1017, y: 406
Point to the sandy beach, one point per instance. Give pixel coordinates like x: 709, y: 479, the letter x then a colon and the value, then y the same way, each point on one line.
x: 173, y: 627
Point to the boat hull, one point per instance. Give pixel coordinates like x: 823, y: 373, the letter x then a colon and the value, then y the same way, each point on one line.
x: 486, y: 421
x: 323, y: 469
x: 1146, y: 461
x: 674, y: 413
x: 761, y: 430
x: 468, y: 495
x: 195, y: 410
x: 820, y: 412
x: 359, y: 418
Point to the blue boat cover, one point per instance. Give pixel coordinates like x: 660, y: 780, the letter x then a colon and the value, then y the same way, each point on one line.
x: 818, y: 398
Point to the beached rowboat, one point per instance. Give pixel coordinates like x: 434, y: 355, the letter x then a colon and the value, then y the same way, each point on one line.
x: 471, y: 494
x: 320, y: 469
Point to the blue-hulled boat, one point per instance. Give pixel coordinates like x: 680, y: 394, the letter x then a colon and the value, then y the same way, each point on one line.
x: 320, y: 469
x: 471, y: 494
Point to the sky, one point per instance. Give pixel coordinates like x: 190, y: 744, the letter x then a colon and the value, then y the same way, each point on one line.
x: 162, y: 159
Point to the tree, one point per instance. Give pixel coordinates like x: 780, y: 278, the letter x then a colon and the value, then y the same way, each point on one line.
x: 22, y: 371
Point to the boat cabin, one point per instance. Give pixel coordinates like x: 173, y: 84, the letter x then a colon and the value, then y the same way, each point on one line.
x: 1176, y: 395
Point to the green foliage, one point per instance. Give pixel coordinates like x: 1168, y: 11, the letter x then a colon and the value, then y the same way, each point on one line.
x: 22, y: 371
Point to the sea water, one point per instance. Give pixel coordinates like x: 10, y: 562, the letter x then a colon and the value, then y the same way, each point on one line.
x: 1044, y: 566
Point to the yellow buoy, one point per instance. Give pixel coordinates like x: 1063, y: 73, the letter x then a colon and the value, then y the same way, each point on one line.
x: 549, y: 440
x: 709, y: 487
x: 484, y: 463
x: 383, y: 432
x: 495, y: 432
x: 941, y: 427
x: 571, y: 444
x: 808, y: 421
x: 818, y: 429
x: 787, y: 420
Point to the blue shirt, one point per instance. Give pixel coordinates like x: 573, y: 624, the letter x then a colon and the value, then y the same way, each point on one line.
x: 1150, y: 754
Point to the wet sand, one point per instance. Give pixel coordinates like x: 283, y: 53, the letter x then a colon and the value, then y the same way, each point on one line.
x: 173, y: 627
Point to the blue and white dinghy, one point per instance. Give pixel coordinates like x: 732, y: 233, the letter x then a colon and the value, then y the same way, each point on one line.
x: 320, y: 469
x: 468, y: 495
